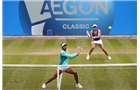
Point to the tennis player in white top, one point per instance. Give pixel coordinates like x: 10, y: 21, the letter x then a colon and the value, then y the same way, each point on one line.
x: 96, y: 40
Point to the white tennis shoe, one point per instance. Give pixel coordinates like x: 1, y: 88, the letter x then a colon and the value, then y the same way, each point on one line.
x: 109, y: 57
x: 44, y: 85
x: 79, y: 85
x: 87, y: 57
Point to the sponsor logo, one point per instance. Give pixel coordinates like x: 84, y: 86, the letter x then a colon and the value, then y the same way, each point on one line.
x: 65, y: 17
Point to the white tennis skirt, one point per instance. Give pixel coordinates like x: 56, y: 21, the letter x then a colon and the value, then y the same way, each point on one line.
x: 63, y: 68
x: 97, y: 42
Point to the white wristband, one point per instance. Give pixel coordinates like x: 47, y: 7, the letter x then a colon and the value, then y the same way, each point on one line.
x: 94, y: 37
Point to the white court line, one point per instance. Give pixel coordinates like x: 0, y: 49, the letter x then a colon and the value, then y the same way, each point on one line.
x: 50, y: 53
x: 70, y: 37
x: 75, y: 65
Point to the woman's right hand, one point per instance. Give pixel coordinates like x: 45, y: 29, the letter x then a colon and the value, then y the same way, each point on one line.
x: 78, y: 52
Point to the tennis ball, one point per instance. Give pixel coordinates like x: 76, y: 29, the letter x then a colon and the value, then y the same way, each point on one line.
x: 109, y: 27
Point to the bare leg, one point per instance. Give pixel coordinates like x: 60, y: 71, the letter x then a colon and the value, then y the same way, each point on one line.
x: 92, y: 48
x: 72, y: 71
x: 53, y: 77
x: 103, y: 49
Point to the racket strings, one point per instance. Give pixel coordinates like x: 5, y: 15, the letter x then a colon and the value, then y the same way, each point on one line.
x: 82, y: 45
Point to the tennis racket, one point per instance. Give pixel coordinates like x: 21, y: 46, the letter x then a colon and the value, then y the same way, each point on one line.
x: 88, y: 34
x: 81, y: 45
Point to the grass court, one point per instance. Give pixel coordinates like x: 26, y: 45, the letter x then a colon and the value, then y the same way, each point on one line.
x: 46, y: 51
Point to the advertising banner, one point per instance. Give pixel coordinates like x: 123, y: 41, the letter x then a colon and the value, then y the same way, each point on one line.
x: 69, y: 17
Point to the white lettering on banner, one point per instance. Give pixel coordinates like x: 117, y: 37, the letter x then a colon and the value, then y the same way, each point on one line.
x: 36, y: 16
x: 94, y: 6
x: 53, y: 6
x: 75, y: 26
x: 39, y: 12
x: 73, y: 7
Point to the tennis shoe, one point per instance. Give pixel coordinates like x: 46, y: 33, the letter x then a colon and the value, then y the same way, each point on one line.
x: 79, y: 85
x: 109, y: 57
x: 87, y: 57
x: 44, y: 85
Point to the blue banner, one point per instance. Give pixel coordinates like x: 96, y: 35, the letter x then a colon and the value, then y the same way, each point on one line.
x: 69, y: 17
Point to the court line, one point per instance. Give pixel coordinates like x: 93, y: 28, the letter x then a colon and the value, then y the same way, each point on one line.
x: 69, y: 37
x: 75, y: 65
x: 50, y: 53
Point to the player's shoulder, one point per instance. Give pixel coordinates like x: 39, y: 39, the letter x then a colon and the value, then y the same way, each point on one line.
x: 99, y: 30
x: 62, y: 51
x: 91, y: 31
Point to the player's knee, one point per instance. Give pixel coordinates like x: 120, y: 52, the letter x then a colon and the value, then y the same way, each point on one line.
x: 74, y: 72
x: 92, y: 48
x: 54, y: 77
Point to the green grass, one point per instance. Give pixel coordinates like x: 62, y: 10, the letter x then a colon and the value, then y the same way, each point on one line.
x: 46, y: 51
x: 54, y: 59
x: 97, y: 78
